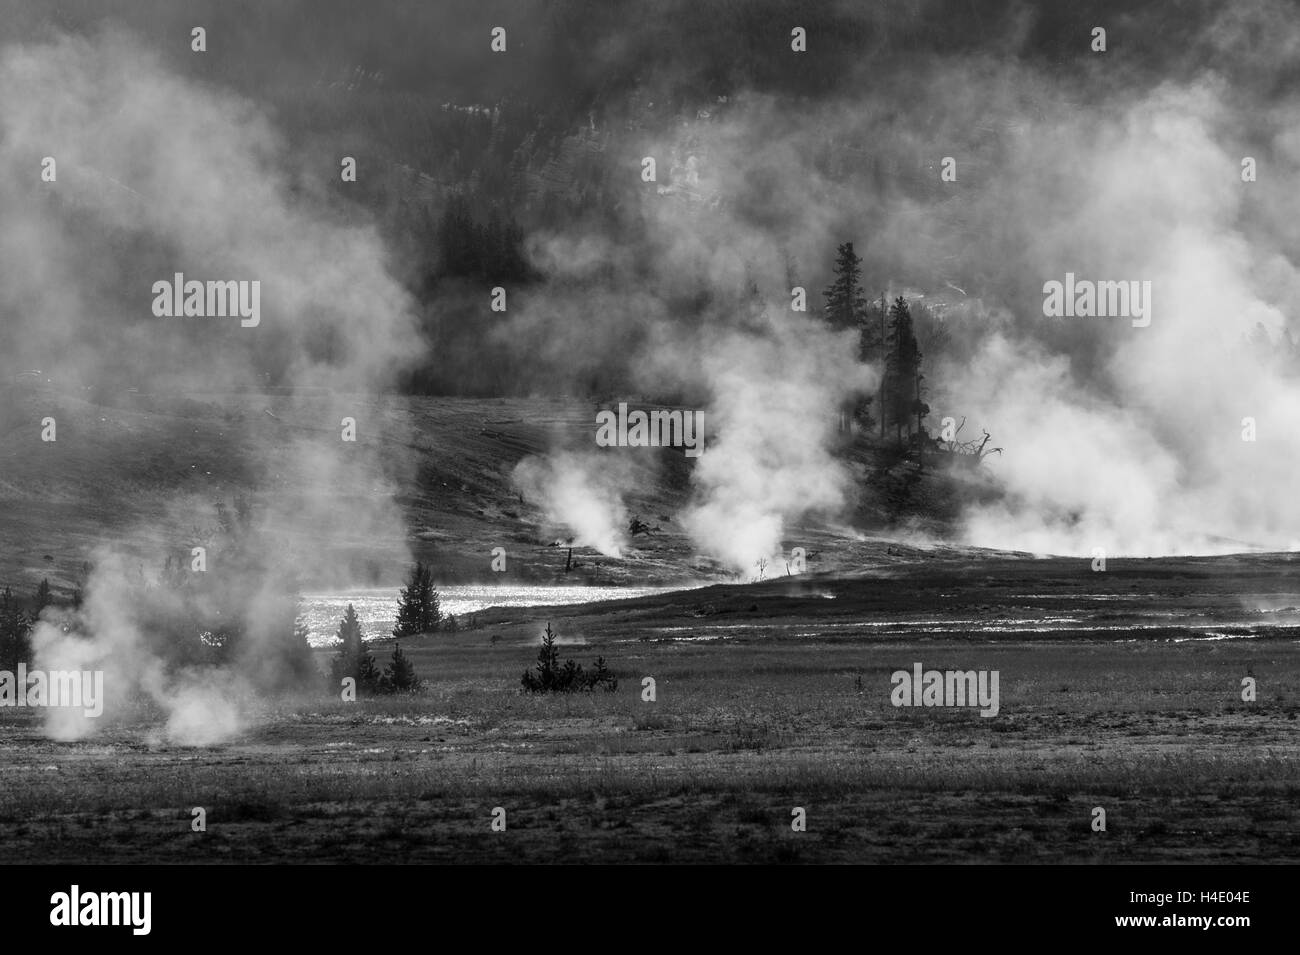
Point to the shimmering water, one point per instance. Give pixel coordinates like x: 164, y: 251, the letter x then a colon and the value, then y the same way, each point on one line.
x: 377, y: 608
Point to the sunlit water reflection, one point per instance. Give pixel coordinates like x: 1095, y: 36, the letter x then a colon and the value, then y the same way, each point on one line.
x: 377, y: 608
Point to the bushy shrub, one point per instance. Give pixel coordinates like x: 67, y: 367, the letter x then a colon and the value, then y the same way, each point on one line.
x: 552, y: 676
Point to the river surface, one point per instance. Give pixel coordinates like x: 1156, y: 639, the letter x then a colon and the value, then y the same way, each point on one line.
x: 377, y: 607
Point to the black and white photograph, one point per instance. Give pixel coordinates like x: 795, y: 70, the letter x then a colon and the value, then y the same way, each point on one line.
x: 740, y: 433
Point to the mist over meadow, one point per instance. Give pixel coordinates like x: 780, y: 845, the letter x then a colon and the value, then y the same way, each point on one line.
x: 523, y: 169
x: 1113, y: 166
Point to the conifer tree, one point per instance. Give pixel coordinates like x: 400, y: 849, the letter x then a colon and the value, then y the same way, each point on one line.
x: 902, y: 370
x: 418, y: 609
x: 603, y: 676
x: 545, y: 676
x: 847, y: 307
x: 353, y: 659
x: 15, y: 633
x: 399, y: 675
x: 43, y: 596
x: 846, y: 302
x: 368, y: 675
x: 430, y: 600
x: 550, y: 675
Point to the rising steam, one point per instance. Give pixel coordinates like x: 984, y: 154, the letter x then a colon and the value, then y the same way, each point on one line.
x: 1116, y: 437
x: 770, y: 462
x: 583, y: 492
x: 1112, y: 167
x: 157, y: 174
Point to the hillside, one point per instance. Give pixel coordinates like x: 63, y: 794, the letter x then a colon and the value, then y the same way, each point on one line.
x: 426, y: 477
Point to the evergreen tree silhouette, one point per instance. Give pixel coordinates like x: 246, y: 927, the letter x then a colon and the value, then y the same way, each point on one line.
x: 418, y: 609
x: 399, y: 675
x: 902, y: 370
x: 353, y: 659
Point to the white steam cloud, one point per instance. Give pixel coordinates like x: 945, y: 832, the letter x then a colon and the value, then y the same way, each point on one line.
x: 1131, y: 439
x: 157, y: 174
x: 583, y: 492
x: 1116, y: 437
x: 770, y: 461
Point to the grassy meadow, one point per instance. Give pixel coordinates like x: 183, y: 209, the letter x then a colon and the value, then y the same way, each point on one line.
x: 743, y: 729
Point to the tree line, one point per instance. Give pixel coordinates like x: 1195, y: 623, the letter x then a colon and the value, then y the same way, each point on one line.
x: 16, y: 623
x: 886, y: 335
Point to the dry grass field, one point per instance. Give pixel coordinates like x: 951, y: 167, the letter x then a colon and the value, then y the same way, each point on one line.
x: 756, y: 713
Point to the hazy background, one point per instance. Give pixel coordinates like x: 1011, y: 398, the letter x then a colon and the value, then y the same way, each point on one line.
x: 1122, y: 165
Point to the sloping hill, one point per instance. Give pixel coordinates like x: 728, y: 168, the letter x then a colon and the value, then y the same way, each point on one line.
x: 425, y: 477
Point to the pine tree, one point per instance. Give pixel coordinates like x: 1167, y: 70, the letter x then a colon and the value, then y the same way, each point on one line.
x: 550, y: 675
x: 353, y: 659
x: 431, y: 612
x: 15, y: 633
x: 545, y: 675
x: 409, y: 616
x: 350, y: 632
x: 847, y: 307
x: 548, y: 657
x: 846, y: 302
x: 602, y: 676
x: 43, y: 595
x: 399, y: 675
x: 417, y: 609
x: 902, y: 370
x: 368, y: 675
